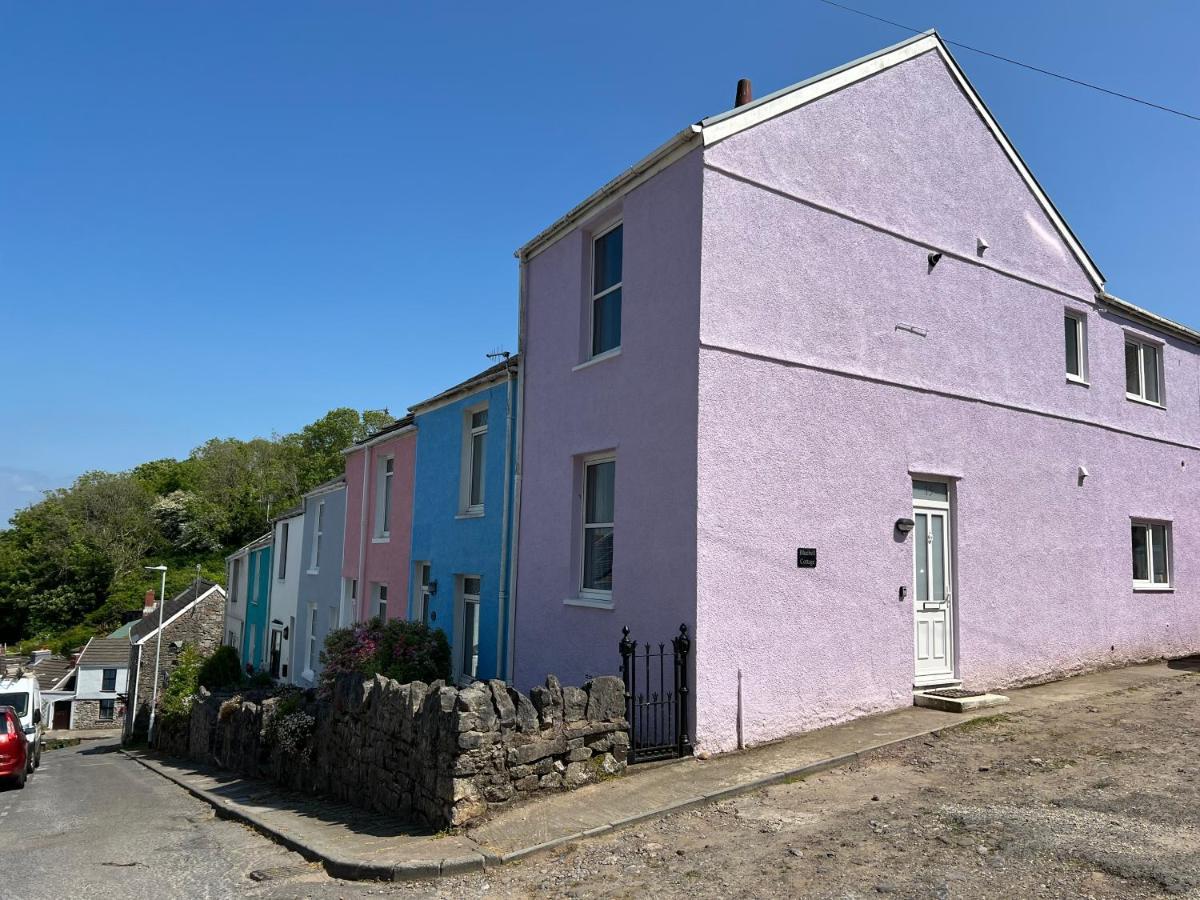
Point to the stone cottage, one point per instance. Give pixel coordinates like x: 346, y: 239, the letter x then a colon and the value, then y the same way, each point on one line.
x: 100, y: 681
x: 193, y: 617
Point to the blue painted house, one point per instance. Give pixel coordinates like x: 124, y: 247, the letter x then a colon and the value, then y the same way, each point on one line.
x: 258, y: 603
x: 320, y: 606
x: 462, y: 518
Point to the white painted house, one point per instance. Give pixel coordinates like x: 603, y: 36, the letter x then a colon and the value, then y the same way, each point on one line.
x: 288, y: 532
x: 237, y: 565
x: 101, y: 684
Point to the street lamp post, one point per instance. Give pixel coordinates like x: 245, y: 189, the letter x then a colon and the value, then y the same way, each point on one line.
x: 162, y: 601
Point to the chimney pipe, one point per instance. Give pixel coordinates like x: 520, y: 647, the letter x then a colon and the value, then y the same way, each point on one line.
x: 744, y: 93
x: 149, y: 603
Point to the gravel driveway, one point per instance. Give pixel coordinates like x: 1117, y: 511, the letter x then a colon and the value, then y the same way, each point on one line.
x: 1092, y: 801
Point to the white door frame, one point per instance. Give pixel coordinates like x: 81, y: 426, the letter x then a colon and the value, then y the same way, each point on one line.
x: 942, y: 509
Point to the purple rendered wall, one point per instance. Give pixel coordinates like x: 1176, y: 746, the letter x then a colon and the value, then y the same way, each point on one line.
x: 643, y: 404
x: 815, y: 410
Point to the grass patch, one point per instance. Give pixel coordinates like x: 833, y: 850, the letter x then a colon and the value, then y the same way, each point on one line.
x: 981, y: 723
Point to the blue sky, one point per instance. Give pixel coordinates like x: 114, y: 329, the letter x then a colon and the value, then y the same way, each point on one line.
x: 226, y: 218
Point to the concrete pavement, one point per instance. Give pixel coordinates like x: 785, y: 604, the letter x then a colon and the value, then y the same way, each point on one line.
x: 355, y: 844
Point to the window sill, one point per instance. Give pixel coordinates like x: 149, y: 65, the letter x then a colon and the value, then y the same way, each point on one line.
x: 470, y: 514
x: 589, y: 602
x: 598, y: 358
x: 1134, y: 398
x: 1154, y: 588
x: 1082, y: 382
x: 381, y: 540
x: 313, y: 572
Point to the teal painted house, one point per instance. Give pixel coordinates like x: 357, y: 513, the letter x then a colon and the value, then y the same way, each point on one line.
x: 462, y: 518
x: 258, y: 604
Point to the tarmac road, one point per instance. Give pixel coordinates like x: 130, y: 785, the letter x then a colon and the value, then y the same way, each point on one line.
x: 92, y: 823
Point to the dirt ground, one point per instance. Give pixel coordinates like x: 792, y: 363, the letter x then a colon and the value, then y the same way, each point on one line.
x: 1097, y: 801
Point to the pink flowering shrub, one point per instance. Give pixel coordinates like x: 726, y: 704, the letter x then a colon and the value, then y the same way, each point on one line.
x: 404, y: 651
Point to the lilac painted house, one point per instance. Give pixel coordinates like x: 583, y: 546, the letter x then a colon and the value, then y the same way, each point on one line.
x: 828, y: 378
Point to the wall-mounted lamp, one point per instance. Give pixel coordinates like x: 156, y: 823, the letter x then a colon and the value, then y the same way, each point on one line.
x: 1083, y: 473
x: 432, y: 587
x: 904, y: 526
x: 981, y: 245
x: 934, y: 259
x: 285, y: 632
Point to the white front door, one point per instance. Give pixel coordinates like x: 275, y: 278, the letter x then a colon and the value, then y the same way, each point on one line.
x: 933, y: 598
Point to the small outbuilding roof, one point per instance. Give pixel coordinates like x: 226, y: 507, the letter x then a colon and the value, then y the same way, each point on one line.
x: 105, y: 652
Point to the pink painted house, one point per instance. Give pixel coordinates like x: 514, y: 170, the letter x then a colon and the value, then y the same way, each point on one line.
x: 378, y: 542
x: 829, y: 379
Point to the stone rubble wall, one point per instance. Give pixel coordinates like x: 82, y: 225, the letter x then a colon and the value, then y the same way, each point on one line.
x: 87, y: 716
x: 441, y: 754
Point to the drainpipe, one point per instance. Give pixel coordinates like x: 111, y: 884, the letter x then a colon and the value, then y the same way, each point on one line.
x: 362, y: 536
x: 516, y: 516
x: 504, y: 529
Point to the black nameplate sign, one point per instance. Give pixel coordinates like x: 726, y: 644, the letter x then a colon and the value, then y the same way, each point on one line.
x: 806, y: 557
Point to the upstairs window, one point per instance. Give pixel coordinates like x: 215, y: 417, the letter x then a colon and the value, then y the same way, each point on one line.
x: 383, y: 497
x: 281, y: 550
x: 1076, y: 346
x: 108, y: 681
x: 607, y: 253
x: 235, y: 580
x: 1151, y: 555
x: 318, y: 530
x: 1143, y: 371
x: 474, y: 458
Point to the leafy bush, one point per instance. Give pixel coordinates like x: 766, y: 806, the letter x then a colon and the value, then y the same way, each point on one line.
x: 405, y: 651
x: 288, y: 727
x: 182, y: 685
x: 229, y: 707
x: 221, y: 670
x: 260, y: 679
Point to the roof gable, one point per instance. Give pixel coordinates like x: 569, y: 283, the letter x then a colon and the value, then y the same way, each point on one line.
x: 715, y: 129
x: 879, y: 120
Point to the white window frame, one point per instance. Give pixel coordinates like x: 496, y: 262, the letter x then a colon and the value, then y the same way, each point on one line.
x: 423, y: 604
x: 596, y: 595
x: 235, y: 578
x: 466, y: 599
x: 384, y: 479
x: 1081, y: 332
x: 593, y: 296
x: 312, y: 641
x: 1144, y: 344
x: 314, y: 564
x: 282, y: 552
x: 1168, y: 553
x: 465, y: 506
x: 380, y: 600
x: 253, y: 561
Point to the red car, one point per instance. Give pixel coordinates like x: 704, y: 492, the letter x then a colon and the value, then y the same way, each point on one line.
x: 14, y: 749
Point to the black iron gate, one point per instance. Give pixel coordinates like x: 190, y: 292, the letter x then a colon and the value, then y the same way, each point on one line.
x: 656, y: 697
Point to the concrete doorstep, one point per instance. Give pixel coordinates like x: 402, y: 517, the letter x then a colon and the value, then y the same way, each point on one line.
x: 355, y: 844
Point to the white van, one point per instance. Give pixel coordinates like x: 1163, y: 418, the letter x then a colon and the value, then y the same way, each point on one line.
x: 24, y: 694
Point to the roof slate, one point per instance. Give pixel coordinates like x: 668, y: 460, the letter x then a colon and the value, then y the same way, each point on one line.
x: 488, y: 374
x: 148, y: 624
